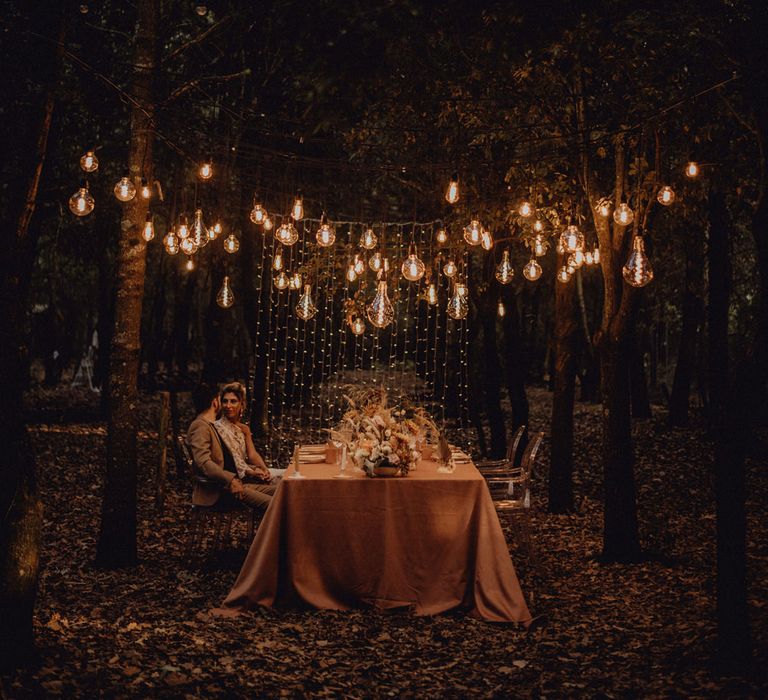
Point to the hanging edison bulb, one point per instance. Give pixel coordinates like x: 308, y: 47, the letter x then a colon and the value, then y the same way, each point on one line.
x: 504, y: 270
x: 596, y: 255
x: 215, y: 231
x: 297, y: 210
x: 268, y: 223
x: 205, y: 171
x: 89, y: 162
x: 412, y: 268
x: 351, y: 275
x: 183, y: 227
x: 282, y: 281
x: 148, y: 232
x: 225, y: 298
x: 258, y: 214
x: 525, y: 209
x: 539, y: 246
x: 380, y: 311
x: 458, y: 305
x: 306, y: 308
x: 431, y: 294
x: 638, y: 271
x: 368, y: 239
x: 473, y: 232
x: 277, y: 261
x: 623, y: 215
x: 442, y: 236
x: 357, y: 325
x: 145, y: 191
x: 376, y: 262
x: 359, y: 265
x: 538, y: 225
x: 325, y: 235
x: 576, y: 259
x: 452, y: 191
x: 189, y: 265
x: 500, y: 310
x: 231, y: 244
x: 286, y: 233
x: 199, y: 232
x: 171, y: 243
x: 532, y: 270
x: 188, y: 246
x: 563, y: 275
x: 81, y: 203
x: 295, y: 281
x: 125, y: 190
x: 571, y: 239
x: 486, y: 239
x: 588, y: 258
x: 604, y: 207
x: 450, y: 268
x: 666, y: 196
x: 692, y: 169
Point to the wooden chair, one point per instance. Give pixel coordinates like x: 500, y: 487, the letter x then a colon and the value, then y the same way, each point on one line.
x: 511, y: 493
x: 222, y: 512
x: 502, y: 467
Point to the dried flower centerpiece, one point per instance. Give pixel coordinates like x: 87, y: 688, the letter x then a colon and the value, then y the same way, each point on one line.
x: 383, y: 440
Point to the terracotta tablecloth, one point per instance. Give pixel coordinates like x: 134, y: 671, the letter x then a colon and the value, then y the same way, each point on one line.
x: 429, y: 541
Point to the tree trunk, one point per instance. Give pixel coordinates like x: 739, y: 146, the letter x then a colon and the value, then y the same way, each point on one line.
x: 22, y: 516
x: 515, y: 366
x: 641, y: 405
x: 117, y: 537
x: 565, y: 339
x: 491, y: 373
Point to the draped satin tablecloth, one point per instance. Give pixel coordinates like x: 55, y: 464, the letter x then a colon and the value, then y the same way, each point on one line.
x: 428, y: 541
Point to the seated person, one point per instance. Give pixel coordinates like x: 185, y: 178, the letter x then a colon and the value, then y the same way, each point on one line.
x: 214, y: 459
x: 237, y: 436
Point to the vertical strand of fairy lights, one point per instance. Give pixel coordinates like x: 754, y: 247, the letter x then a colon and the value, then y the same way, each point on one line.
x: 390, y: 371
x: 293, y: 369
x: 463, y: 365
x: 316, y: 349
x: 305, y: 364
x: 322, y: 304
x: 340, y: 366
x: 285, y: 319
x: 270, y: 350
x: 408, y: 324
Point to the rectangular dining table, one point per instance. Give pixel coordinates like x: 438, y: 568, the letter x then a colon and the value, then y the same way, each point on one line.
x: 428, y: 541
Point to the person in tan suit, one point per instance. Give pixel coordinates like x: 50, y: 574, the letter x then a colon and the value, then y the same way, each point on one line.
x: 214, y: 459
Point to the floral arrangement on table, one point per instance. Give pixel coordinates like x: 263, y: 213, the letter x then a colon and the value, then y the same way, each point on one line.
x: 383, y: 440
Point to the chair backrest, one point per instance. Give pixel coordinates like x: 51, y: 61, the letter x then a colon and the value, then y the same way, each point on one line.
x: 529, y: 456
x: 515, y: 446
x: 186, y: 456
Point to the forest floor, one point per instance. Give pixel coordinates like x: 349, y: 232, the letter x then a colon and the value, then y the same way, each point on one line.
x: 643, y: 630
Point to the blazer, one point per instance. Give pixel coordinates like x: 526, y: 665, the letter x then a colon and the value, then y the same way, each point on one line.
x: 207, y: 453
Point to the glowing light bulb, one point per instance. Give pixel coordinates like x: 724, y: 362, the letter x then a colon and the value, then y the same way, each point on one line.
x: 638, y: 271
x: 351, y: 274
x: 81, y: 203
x: 258, y: 214
x: 89, y: 162
x: 325, y: 235
x: 500, y: 310
x: 563, y: 275
x: 532, y: 270
x: 306, y: 308
x: 206, y: 170
x: 201, y: 9
x: 412, y: 268
x: 458, y: 306
x: 604, y: 207
x: 171, y: 243
x: 148, y: 232
x: 215, y: 231
x: 359, y: 265
x: 431, y: 294
x: 442, y: 236
x: 473, y: 232
x: 225, y: 298
x: 145, y: 190
x: 452, y: 191
x: 286, y: 233
x: 504, y: 270
x: 231, y: 244
x: 666, y: 196
x: 539, y: 246
x: 268, y: 224
x: 692, y: 169
x: 282, y: 281
x: 380, y: 311
x: 450, y: 269
x: 538, y: 225
x: 571, y: 239
x: 368, y: 239
x: 295, y: 281
x: 623, y: 215
x: 188, y: 246
x: 376, y: 262
x: 588, y: 259
x: 596, y: 256
x: 357, y: 325
x: 576, y: 259
x: 277, y: 261
x: 183, y: 227
x: 125, y: 190
x: 486, y: 240
x: 297, y: 210
x: 190, y: 264
x: 525, y: 209
x: 199, y: 231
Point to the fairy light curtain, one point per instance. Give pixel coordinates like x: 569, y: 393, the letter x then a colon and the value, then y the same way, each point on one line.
x: 420, y: 356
